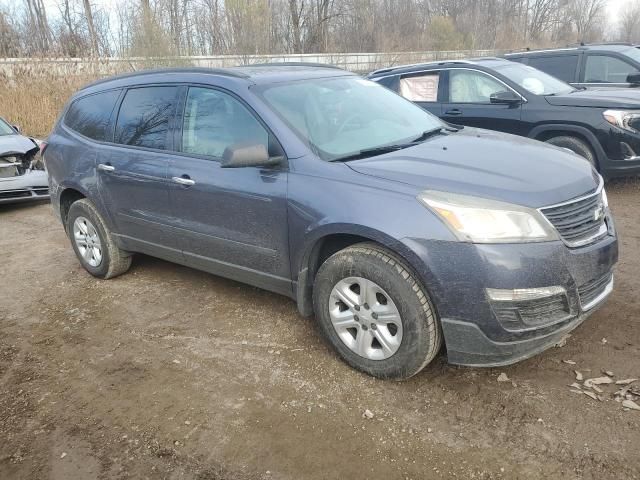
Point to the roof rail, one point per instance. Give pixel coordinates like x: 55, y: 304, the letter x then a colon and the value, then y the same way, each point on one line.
x: 583, y: 44
x: 435, y: 62
x: 291, y: 64
x: 142, y: 73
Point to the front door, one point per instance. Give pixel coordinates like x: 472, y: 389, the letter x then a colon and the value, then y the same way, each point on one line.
x: 468, y: 103
x: 132, y: 174
x: 231, y: 221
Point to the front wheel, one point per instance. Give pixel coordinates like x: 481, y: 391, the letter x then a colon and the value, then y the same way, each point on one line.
x: 576, y: 145
x: 374, y: 312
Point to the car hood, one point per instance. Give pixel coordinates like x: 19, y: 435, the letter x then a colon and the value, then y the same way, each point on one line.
x: 600, y: 98
x: 487, y: 164
x: 15, y: 144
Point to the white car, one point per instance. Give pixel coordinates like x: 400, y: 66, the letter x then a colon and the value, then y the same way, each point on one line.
x: 22, y: 173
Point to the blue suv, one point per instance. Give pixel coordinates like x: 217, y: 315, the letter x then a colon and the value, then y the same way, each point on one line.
x: 400, y: 232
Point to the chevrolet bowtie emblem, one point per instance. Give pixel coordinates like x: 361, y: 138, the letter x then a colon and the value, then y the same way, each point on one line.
x: 598, y: 212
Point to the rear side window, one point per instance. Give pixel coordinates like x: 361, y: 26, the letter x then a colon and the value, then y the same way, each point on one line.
x: 562, y: 66
x: 605, y: 69
x: 89, y: 116
x: 420, y: 88
x: 145, y: 113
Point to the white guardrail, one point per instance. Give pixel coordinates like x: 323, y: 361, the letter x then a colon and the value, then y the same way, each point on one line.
x: 356, y: 62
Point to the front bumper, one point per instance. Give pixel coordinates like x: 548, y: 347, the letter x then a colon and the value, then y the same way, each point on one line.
x: 458, y: 274
x: 33, y: 185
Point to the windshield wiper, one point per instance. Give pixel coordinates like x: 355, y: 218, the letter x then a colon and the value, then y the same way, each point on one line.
x: 426, y: 135
x: 372, y: 152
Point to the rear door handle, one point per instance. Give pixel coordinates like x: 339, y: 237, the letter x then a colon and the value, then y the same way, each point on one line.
x: 184, y: 180
x: 106, y: 167
x: 453, y: 111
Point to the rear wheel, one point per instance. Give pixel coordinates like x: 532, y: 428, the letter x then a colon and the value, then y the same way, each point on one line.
x: 93, y: 242
x: 374, y: 312
x: 576, y: 145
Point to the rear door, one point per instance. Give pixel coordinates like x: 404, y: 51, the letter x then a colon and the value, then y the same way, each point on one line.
x: 231, y: 221
x: 132, y: 172
x: 468, y: 102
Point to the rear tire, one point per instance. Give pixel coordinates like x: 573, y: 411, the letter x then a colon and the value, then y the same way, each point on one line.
x: 394, y: 345
x: 93, y: 242
x: 576, y: 145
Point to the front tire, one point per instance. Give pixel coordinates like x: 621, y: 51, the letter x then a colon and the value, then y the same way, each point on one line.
x: 576, y: 145
x: 93, y: 243
x: 371, y: 308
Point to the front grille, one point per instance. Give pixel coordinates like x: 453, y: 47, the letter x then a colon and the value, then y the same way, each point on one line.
x: 24, y: 193
x: 590, y: 291
x: 580, y: 221
x: 523, y: 315
x: 14, y: 194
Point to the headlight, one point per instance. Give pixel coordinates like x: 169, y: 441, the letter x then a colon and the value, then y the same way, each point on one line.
x: 625, y: 119
x: 479, y: 220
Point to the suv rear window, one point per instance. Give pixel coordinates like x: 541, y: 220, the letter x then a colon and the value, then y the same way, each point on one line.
x: 89, y: 116
x: 143, y: 120
x: 561, y: 66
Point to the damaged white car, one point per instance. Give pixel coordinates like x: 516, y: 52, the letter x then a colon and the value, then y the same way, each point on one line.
x: 22, y: 173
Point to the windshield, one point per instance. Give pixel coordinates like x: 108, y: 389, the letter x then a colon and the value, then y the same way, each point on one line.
x: 5, y: 128
x: 339, y: 117
x: 633, y: 54
x: 533, y: 80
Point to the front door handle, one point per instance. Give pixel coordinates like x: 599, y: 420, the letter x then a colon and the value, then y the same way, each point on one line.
x: 106, y: 167
x: 453, y: 112
x: 184, y: 180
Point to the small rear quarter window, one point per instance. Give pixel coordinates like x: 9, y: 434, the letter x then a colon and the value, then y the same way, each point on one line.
x: 90, y: 115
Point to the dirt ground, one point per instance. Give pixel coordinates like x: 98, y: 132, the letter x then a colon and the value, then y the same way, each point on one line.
x: 170, y: 373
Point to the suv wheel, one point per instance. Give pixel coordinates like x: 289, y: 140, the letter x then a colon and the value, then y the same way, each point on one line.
x: 93, y: 243
x: 576, y: 145
x: 374, y: 312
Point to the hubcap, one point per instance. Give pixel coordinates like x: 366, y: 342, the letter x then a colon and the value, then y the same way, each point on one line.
x: 365, y: 318
x: 87, y: 241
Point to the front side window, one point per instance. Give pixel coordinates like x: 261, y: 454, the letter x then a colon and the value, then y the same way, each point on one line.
x: 340, y: 116
x: 89, y: 116
x: 420, y: 88
x: 605, y: 69
x: 214, y: 120
x: 468, y: 86
x: 561, y: 66
x: 143, y: 120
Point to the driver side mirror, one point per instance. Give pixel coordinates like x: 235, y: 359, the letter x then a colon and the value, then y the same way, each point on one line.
x: 634, y: 78
x: 17, y: 128
x: 248, y: 155
x: 506, y: 97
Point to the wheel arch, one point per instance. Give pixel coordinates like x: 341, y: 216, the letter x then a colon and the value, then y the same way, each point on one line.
x: 66, y: 198
x: 545, y: 132
x: 331, y: 239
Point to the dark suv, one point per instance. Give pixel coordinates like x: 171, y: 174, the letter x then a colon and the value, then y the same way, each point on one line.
x: 605, y: 65
x: 602, y: 126
x: 396, y: 229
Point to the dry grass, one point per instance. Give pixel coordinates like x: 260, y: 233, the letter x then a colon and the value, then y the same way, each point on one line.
x: 34, y: 101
